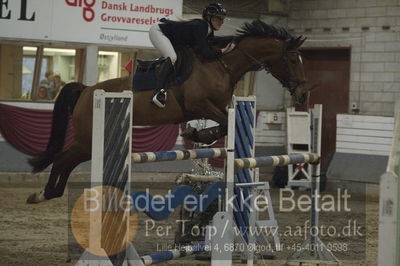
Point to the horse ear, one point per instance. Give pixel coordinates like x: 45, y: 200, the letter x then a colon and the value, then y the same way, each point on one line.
x: 294, y: 43
x: 301, y: 40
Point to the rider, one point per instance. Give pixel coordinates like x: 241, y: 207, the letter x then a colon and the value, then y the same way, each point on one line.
x: 169, y: 34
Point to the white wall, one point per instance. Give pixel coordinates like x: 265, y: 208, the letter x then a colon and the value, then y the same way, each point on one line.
x: 270, y: 93
x: 375, y: 53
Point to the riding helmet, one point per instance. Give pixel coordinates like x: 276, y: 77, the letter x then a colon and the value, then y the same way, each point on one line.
x: 214, y: 9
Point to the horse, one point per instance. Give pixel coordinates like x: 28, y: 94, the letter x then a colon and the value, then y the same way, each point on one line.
x: 205, y: 94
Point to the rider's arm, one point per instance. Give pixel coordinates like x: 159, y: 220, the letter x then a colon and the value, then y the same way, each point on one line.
x: 200, y: 35
x: 220, y: 41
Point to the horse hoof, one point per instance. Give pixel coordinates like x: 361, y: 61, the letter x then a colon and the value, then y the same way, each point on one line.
x: 36, y: 198
x: 211, y: 143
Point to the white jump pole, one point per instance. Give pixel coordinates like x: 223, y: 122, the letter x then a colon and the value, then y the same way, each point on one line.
x: 389, y: 205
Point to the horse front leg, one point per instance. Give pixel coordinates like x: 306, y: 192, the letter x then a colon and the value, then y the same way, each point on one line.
x: 206, y: 136
x: 209, y: 135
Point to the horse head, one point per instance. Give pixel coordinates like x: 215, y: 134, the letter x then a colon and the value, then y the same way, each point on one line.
x: 275, y: 50
x: 289, y: 70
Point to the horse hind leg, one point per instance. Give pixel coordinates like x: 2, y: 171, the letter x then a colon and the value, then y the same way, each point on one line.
x: 63, y: 165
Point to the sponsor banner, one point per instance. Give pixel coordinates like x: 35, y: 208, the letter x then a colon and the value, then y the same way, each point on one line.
x: 86, y: 21
x: 26, y: 19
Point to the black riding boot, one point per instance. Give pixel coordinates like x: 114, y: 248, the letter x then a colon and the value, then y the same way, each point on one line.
x: 163, y: 72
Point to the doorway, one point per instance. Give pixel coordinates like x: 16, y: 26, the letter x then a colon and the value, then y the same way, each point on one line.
x: 330, y: 68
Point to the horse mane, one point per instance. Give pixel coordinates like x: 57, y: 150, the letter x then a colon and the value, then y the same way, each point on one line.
x: 258, y: 28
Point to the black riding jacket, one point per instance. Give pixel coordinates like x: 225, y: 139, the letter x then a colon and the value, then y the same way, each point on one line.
x: 193, y: 33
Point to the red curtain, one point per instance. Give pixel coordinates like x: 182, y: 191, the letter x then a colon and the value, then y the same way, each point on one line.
x: 28, y: 131
x: 161, y: 138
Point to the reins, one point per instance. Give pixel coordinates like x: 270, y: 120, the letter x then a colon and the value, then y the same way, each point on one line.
x: 257, y: 65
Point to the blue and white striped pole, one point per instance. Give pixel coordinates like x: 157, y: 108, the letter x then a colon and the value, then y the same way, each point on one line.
x: 278, y: 160
x: 161, y: 156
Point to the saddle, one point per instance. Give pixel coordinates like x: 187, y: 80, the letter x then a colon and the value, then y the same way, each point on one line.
x: 146, y: 74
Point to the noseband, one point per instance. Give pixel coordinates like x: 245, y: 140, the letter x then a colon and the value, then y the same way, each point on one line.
x: 257, y: 65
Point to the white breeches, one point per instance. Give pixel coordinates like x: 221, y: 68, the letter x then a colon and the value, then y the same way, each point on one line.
x: 162, y: 43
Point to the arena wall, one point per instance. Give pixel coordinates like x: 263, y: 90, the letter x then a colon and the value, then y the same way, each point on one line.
x: 371, y: 29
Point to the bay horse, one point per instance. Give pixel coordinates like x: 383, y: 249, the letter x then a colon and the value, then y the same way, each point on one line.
x: 205, y: 94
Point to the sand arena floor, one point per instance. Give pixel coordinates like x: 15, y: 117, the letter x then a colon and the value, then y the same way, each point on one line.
x: 38, y: 234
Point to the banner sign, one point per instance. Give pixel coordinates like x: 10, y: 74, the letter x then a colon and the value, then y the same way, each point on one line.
x: 111, y: 22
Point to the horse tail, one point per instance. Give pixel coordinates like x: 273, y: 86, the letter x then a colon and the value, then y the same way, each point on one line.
x: 63, y: 107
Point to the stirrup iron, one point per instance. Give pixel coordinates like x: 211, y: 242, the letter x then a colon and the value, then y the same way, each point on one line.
x: 160, y: 103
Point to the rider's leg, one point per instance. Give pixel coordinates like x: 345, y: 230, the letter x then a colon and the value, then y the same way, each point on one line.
x: 163, y: 72
x: 163, y: 44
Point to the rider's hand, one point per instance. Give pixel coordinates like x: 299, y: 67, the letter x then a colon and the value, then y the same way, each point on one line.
x: 228, y: 48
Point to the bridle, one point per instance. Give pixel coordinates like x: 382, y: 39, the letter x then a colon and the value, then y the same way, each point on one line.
x: 257, y: 65
x: 290, y: 84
